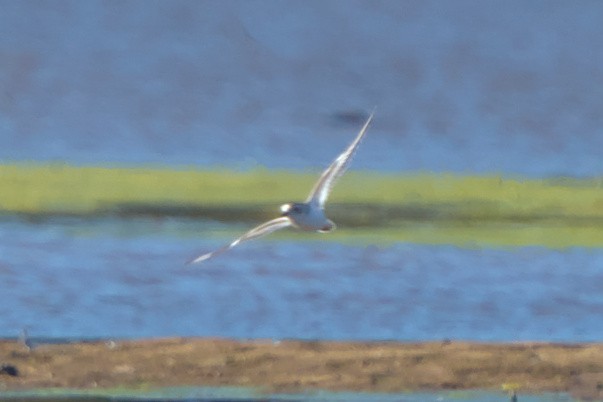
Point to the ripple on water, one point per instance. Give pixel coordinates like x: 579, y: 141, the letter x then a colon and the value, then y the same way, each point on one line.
x: 103, y: 285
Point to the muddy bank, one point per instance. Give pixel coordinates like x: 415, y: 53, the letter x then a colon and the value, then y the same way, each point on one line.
x: 291, y: 366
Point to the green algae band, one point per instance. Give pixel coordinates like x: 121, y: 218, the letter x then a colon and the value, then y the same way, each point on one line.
x: 421, y: 207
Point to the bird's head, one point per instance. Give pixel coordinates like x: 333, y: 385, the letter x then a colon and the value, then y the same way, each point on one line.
x: 293, y: 209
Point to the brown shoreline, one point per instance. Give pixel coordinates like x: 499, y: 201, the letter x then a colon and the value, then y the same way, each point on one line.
x: 294, y: 366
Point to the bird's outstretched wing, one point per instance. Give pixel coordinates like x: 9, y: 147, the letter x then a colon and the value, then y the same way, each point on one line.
x: 322, y: 188
x: 264, y: 229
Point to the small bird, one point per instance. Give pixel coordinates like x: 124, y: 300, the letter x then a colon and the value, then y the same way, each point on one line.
x: 308, y: 215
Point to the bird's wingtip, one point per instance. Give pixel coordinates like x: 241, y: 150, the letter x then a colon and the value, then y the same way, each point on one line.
x: 373, y: 111
x: 197, y: 259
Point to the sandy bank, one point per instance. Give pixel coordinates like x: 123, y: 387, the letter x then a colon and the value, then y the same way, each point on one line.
x: 291, y: 366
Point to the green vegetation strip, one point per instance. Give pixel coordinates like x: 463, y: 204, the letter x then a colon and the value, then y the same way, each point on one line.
x: 422, y: 207
x: 60, y: 188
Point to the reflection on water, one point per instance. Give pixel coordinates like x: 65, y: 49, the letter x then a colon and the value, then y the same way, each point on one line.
x: 126, y: 278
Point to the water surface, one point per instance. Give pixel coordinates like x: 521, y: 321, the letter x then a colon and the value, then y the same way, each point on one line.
x: 233, y: 394
x: 481, y: 87
x: 126, y: 278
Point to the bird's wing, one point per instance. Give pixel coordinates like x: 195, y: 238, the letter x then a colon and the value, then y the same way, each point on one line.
x: 264, y: 229
x: 325, y: 183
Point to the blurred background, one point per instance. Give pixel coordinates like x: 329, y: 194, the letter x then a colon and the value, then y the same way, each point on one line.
x: 508, y: 89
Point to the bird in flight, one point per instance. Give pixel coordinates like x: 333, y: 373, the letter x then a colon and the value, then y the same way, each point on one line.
x: 308, y: 215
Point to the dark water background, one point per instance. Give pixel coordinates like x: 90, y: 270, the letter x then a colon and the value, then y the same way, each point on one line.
x: 478, y: 87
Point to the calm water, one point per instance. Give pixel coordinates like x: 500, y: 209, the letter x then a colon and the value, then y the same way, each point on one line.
x: 126, y: 278
x: 506, y: 86
x: 227, y: 394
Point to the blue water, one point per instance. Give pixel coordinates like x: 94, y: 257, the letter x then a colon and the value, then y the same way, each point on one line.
x: 507, y: 86
x: 231, y: 394
x: 127, y: 278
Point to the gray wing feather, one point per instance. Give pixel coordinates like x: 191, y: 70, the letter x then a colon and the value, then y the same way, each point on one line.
x: 263, y: 229
x: 324, y: 185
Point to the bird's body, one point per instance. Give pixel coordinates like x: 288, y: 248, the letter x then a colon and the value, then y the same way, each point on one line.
x: 308, y: 215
